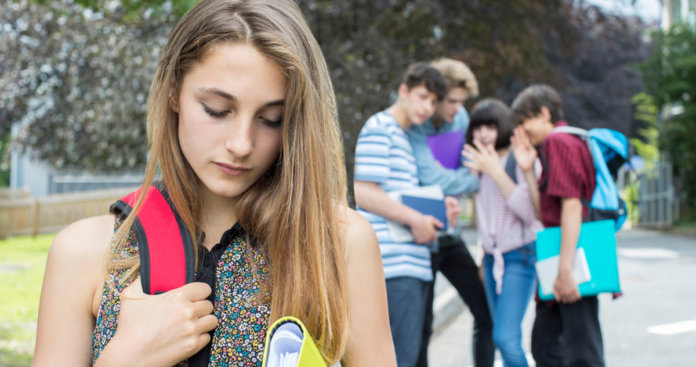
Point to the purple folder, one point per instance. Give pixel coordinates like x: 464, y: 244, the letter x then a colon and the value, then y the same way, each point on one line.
x: 447, y: 148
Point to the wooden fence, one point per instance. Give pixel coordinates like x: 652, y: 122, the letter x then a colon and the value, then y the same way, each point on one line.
x: 21, y: 214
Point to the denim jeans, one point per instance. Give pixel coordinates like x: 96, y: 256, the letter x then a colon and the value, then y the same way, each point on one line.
x: 454, y: 261
x: 508, y: 307
x: 406, y: 299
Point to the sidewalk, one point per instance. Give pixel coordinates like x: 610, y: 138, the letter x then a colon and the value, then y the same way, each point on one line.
x: 654, y: 316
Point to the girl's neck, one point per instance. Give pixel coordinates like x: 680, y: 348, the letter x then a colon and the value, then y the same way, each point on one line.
x: 217, y: 216
x: 503, y: 152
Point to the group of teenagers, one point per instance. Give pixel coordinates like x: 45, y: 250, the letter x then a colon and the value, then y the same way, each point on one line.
x: 516, y: 196
x: 245, y: 145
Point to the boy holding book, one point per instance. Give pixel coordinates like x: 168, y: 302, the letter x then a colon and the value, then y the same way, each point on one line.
x: 384, y: 162
x: 451, y: 256
x: 566, y: 331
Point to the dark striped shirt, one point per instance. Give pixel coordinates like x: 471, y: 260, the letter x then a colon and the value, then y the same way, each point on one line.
x: 568, y: 172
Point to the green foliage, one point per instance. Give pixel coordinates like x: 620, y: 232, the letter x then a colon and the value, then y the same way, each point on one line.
x: 646, y: 144
x: 79, y: 77
x: 77, y: 83
x: 131, y: 9
x: 670, y: 76
x: 587, y: 55
x: 631, y: 197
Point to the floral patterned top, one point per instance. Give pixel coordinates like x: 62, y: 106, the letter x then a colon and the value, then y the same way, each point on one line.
x: 240, y: 297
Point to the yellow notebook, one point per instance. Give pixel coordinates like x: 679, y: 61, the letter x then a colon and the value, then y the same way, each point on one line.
x: 288, y: 344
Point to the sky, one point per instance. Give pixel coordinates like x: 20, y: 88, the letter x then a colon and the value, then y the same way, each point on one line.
x: 649, y: 10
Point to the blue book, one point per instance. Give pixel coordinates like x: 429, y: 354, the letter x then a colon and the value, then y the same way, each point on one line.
x: 428, y: 206
x: 598, y: 240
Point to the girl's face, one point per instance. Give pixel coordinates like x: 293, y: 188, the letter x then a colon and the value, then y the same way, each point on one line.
x: 486, y: 135
x: 230, y: 110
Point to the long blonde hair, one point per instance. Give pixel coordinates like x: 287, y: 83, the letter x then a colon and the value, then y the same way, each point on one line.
x: 292, y: 209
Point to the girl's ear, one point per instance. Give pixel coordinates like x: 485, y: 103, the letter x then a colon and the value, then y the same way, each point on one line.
x: 546, y: 114
x: 174, y: 100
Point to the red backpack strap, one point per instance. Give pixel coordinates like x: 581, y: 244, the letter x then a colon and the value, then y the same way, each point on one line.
x: 165, y: 246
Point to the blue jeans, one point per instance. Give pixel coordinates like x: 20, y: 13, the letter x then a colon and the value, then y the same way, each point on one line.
x: 406, y: 299
x: 508, y: 307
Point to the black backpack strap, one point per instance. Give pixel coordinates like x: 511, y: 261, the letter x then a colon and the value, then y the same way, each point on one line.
x: 165, y: 245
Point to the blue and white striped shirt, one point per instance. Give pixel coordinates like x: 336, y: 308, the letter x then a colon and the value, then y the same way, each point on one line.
x: 383, y: 155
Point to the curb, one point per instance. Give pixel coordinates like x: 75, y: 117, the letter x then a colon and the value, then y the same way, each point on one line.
x: 446, y: 307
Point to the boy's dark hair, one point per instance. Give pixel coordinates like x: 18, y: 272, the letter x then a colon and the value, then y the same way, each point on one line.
x: 421, y: 73
x: 529, y: 102
x: 491, y: 112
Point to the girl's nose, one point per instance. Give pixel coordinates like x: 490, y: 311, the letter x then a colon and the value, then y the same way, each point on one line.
x: 240, y: 142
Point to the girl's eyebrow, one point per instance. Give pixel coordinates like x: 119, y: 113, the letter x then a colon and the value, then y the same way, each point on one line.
x: 232, y: 98
x: 219, y: 92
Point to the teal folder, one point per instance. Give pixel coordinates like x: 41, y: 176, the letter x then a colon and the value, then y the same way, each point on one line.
x: 599, y: 242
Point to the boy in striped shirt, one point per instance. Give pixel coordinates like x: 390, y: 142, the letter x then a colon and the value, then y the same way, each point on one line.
x: 384, y: 162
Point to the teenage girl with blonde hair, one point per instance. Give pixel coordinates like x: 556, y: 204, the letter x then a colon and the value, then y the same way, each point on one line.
x: 245, y: 141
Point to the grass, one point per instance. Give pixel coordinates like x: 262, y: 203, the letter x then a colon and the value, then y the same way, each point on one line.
x: 22, y: 263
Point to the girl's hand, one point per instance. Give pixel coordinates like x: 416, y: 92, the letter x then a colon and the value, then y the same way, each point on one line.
x: 524, y: 151
x: 481, y: 159
x: 453, y: 210
x: 164, y: 329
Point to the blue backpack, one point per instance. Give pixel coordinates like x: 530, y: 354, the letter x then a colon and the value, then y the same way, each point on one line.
x: 609, y: 150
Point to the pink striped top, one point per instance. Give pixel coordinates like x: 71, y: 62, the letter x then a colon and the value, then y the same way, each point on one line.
x: 505, y: 224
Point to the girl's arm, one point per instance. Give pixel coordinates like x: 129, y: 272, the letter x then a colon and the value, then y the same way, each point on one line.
x: 156, y: 330
x: 73, y: 278
x: 370, y: 341
x: 531, y: 178
x: 526, y: 156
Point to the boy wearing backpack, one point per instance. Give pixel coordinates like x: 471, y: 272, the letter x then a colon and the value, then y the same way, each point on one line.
x: 566, y: 331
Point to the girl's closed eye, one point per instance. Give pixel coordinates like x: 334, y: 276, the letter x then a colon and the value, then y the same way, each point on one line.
x: 215, y: 113
x: 272, y: 122
x: 271, y: 116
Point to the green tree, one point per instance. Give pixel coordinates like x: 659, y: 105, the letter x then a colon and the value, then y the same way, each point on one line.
x: 76, y: 74
x: 646, y: 143
x: 76, y: 82
x: 670, y: 76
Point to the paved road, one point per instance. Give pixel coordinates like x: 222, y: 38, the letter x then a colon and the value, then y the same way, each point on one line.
x: 652, y: 324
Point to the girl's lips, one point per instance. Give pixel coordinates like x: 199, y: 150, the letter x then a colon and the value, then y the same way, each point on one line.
x: 231, y: 169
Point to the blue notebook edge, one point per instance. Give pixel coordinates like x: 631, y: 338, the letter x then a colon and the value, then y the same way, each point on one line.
x: 434, y: 207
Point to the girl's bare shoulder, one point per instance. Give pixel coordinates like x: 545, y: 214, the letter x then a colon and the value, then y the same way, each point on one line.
x: 82, y: 244
x: 360, y: 236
